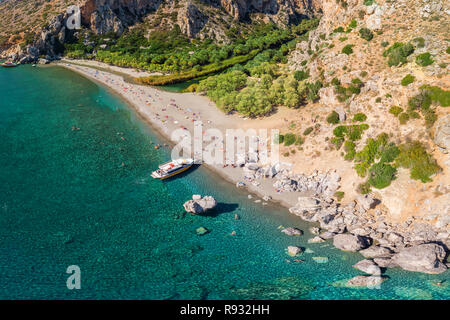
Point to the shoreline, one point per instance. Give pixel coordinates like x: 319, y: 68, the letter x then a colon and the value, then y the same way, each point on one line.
x: 134, y: 95
x: 353, y: 227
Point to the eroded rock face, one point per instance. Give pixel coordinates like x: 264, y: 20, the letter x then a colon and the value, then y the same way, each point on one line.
x: 191, y: 20
x: 442, y: 133
x: 103, y: 16
x: 427, y: 258
x: 348, y: 242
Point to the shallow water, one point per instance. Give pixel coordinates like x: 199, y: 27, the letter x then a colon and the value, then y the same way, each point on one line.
x: 66, y: 199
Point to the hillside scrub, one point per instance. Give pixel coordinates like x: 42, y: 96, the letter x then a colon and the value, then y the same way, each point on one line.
x: 397, y: 53
x: 408, y: 79
x: 414, y: 156
x: 424, y: 59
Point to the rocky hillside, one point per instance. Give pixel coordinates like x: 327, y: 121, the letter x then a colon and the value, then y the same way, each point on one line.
x: 24, y: 22
x: 384, y: 66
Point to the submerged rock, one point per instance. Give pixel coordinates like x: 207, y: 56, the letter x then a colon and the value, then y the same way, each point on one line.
x: 320, y: 259
x: 316, y: 240
x: 348, y: 242
x: 199, y: 205
x: 294, y: 251
x: 426, y: 258
x: 201, y: 231
x: 368, y: 266
x: 365, y: 281
x: 292, y: 231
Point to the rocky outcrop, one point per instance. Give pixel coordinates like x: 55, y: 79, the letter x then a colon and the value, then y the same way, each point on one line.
x: 49, y: 42
x: 199, y: 205
x: 191, y: 20
x: 103, y: 16
x: 281, y: 11
x: 427, y: 258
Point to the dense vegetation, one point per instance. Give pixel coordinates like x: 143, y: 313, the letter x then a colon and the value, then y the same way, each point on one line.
x: 258, y: 86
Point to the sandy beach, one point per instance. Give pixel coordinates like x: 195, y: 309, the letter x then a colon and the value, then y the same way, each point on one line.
x: 168, y: 111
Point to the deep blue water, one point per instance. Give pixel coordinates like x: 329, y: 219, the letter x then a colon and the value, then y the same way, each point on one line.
x: 66, y: 199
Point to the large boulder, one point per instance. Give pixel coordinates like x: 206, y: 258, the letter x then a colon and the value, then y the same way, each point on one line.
x: 199, y: 205
x: 349, y: 242
x: 426, y: 258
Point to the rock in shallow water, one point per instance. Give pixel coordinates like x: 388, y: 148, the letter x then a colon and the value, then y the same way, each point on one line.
x: 201, y: 231
x: 365, y: 281
x: 292, y: 231
x: 199, y: 205
x: 294, y: 251
x: 368, y: 266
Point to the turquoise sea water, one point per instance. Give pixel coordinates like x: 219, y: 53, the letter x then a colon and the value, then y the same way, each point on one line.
x: 66, y: 199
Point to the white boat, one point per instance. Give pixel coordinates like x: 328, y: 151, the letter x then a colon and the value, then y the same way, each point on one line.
x: 172, y: 168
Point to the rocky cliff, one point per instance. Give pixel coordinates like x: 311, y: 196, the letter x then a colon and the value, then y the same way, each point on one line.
x: 200, y: 18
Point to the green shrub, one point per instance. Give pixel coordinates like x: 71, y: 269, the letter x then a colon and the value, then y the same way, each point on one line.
x: 342, y: 39
x: 353, y: 24
x: 384, y: 44
x: 338, y: 30
x: 364, y: 188
x: 420, y: 42
x: 348, y: 49
x: 333, y: 118
x: 289, y: 139
x: 389, y: 153
x: 359, y: 117
x: 414, y: 156
x: 381, y: 175
x: 368, y: 2
x: 403, y: 117
x: 408, y: 79
x: 339, y: 195
x: 395, y: 110
x: 448, y: 50
x: 301, y: 75
x: 437, y: 95
x: 378, y: 100
x: 337, y: 141
x: 340, y: 131
x: 366, y: 34
x: 397, y: 53
x: 308, y: 131
x: 350, y: 149
x: 278, y: 139
x: 335, y: 82
x: 424, y: 59
x: 421, y: 101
